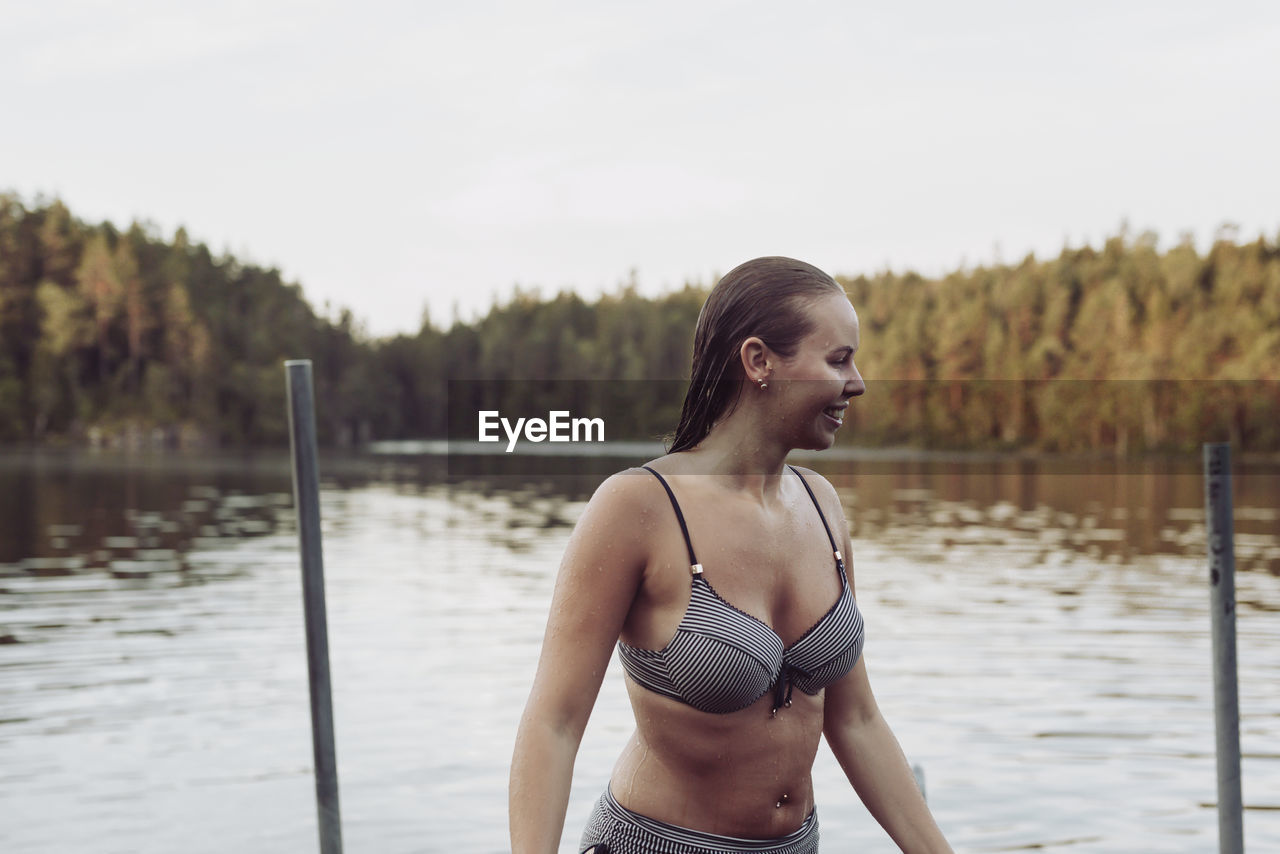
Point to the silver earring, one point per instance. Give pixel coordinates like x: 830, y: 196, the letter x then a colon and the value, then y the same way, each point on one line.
x: 760, y: 382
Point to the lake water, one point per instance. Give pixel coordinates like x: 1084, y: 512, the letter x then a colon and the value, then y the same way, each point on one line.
x: 1038, y: 636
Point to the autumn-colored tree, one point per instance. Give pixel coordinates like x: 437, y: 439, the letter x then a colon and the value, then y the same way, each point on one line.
x: 1122, y: 348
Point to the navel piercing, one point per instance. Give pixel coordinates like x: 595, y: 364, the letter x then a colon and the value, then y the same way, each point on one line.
x: 784, y: 799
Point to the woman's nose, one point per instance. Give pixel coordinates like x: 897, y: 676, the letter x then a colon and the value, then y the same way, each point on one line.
x: 855, y: 386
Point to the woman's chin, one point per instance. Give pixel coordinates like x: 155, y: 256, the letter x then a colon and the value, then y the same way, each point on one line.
x: 818, y: 443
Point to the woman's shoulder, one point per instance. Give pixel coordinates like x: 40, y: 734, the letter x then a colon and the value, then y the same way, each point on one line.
x: 813, y: 478
x: 628, y: 493
x: 823, y: 491
x: 617, y: 519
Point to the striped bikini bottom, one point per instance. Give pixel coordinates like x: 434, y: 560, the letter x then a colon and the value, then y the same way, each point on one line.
x: 614, y: 829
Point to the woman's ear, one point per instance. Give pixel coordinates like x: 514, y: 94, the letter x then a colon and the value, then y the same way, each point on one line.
x: 755, y: 355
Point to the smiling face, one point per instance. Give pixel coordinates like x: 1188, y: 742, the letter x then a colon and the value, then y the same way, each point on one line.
x: 815, y: 385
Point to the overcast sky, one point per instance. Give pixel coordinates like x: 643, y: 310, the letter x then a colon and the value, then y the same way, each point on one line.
x: 390, y: 156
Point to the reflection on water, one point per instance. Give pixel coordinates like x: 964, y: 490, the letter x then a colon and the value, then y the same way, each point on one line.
x: 1037, y: 637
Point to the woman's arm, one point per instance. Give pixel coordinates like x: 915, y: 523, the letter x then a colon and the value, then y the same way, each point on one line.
x: 601, y: 571
x: 862, y: 742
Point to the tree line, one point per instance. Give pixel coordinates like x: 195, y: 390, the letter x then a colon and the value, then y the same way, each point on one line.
x: 110, y: 335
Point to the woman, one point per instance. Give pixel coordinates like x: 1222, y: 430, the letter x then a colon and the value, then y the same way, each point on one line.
x: 714, y: 570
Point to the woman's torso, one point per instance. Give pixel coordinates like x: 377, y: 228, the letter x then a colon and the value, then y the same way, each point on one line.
x: 744, y: 772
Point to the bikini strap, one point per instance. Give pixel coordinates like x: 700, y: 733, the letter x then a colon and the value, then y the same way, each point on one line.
x: 695, y: 567
x: 821, y: 515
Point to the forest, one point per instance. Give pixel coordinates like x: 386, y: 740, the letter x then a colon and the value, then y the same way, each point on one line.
x: 113, y: 336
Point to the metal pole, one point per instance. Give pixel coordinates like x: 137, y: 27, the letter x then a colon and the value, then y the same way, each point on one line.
x: 306, y: 498
x: 1222, y: 599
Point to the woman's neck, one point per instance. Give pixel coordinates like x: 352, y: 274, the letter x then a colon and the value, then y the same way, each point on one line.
x: 746, y: 457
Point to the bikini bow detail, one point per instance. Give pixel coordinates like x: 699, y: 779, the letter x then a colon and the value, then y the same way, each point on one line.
x: 782, y: 689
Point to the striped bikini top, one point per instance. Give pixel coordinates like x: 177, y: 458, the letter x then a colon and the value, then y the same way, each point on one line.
x: 723, y: 659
